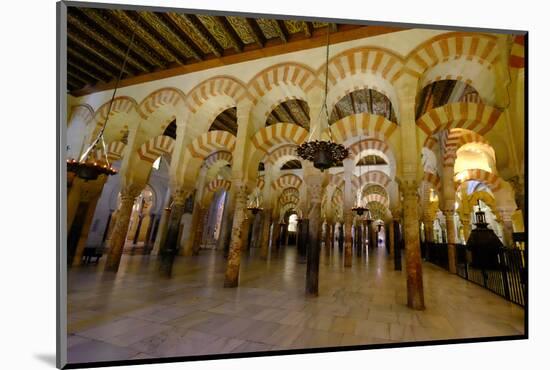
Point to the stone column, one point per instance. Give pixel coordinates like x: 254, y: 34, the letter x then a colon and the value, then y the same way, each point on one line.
x: 451, y: 238
x: 161, y: 231
x: 90, y: 211
x: 397, y: 238
x: 341, y: 237
x: 391, y: 239
x: 348, y: 251
x: 225, y: 231
x: 415, y: 288
x: 505, y: 216
x: 128, y: 196
x: 246, y: 230
x: 275, y: 234
x: 235, y: 246
x: 264, y: 235
x: 302, y: 240
x: 328, y: 236
x: 360, y: 237
x: 199, y: 230
x: 189, y: 247
x: 314, y: 183
x: 73, y: 200
x: 169, y: 247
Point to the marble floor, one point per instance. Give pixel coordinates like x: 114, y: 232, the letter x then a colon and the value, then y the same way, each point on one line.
x: 137, y: 314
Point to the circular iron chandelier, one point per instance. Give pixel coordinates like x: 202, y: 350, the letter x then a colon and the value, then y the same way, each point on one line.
x: 88, y: 167
x: 323, y: 153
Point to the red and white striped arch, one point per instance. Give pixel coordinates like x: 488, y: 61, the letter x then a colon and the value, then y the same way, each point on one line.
x: 364, y: 124
x: 456, y: 138
x: 517, y: 52
x: 155, y: 147
x: 220, y: 156
x: 479, y: 47
x: 286, y: 181
x: 432, y: 179
x: 290, y: 74
x: 475, y: 117
x: 114, y: 151
x: 216, y: 86
x: 218, y: 184
x: 369, y: 198
x: 279, y: 133
x: 167, y: 96
x: 374, y: 177
x: 285, y: 151
x: 121, y: 104
x: 490, y: 179
x: 212, y: 141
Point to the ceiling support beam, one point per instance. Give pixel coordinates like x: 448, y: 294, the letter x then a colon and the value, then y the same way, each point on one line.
x: 103, y: 19
x: 255, y: 31
x: 87, y: 45
x: 281, y: 29
x: 87, y: 29
x: 173, y: 39
x: 308, y: 29
x: 88, y: 60
x: 132, y: 22
x: 199, y: 29
x: 232, y: 36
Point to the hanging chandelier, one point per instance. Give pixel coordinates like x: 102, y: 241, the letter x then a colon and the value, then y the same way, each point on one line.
x: 88, y: 167
x: 323, y: 153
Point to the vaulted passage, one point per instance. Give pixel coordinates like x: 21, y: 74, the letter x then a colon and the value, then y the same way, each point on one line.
x: 216, y: 234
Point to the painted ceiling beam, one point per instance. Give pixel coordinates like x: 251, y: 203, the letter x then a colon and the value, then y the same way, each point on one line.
x: 105, y: 21
x: 201, y: 31
x: 132, y: 22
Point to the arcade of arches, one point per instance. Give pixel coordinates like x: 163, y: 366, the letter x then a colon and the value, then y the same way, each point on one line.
x: 434, y: 122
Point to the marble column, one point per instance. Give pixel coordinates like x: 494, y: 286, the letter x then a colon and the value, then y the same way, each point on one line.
x: 225, y: 231
x: 415, y: 288
x: 302, y: 240
x: 275, y: 234
x: 161, y: 231
x: 314, y: 182
x: 451, y: 238
x: 199, y: 230
x: 391, y: 238
x: 328, y: 238
x: 264, y: 235
x: 235, y: 246
x: 247, y: 230
x: 397, y: 238
x: 189, y: 247
x: 348, y: 248
x: 128, y: 196
x: 79, y: 252
x: 340, y: 237
x: 360, y: 238
x: 169, y: 248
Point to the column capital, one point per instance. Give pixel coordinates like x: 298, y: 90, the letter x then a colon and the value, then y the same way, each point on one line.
x: 409, y: 188
x: 448, y: 212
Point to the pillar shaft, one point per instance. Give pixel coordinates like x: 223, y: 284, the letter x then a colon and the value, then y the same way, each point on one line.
x: 199, y: 230
x: 451, y: 239
x: 189, y: 247
x: 415, y: 288
x: 161, y: 231
x: 225, y: 231
x: 264, y: 235
x: 116, y: 245
x: 348, y: 248
x: 314, y: 235
x: 79, y: 252
x: 235, y: 247
x: 507, y: 226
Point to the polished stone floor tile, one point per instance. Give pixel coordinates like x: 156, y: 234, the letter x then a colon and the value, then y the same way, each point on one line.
x: 137, y: 313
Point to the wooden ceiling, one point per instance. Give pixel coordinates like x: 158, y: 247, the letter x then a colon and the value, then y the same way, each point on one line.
x: 440, y: 93
x: 290, y: 111
x: 97, y: 40
x: 363, y: 101
x: 226, y: 121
